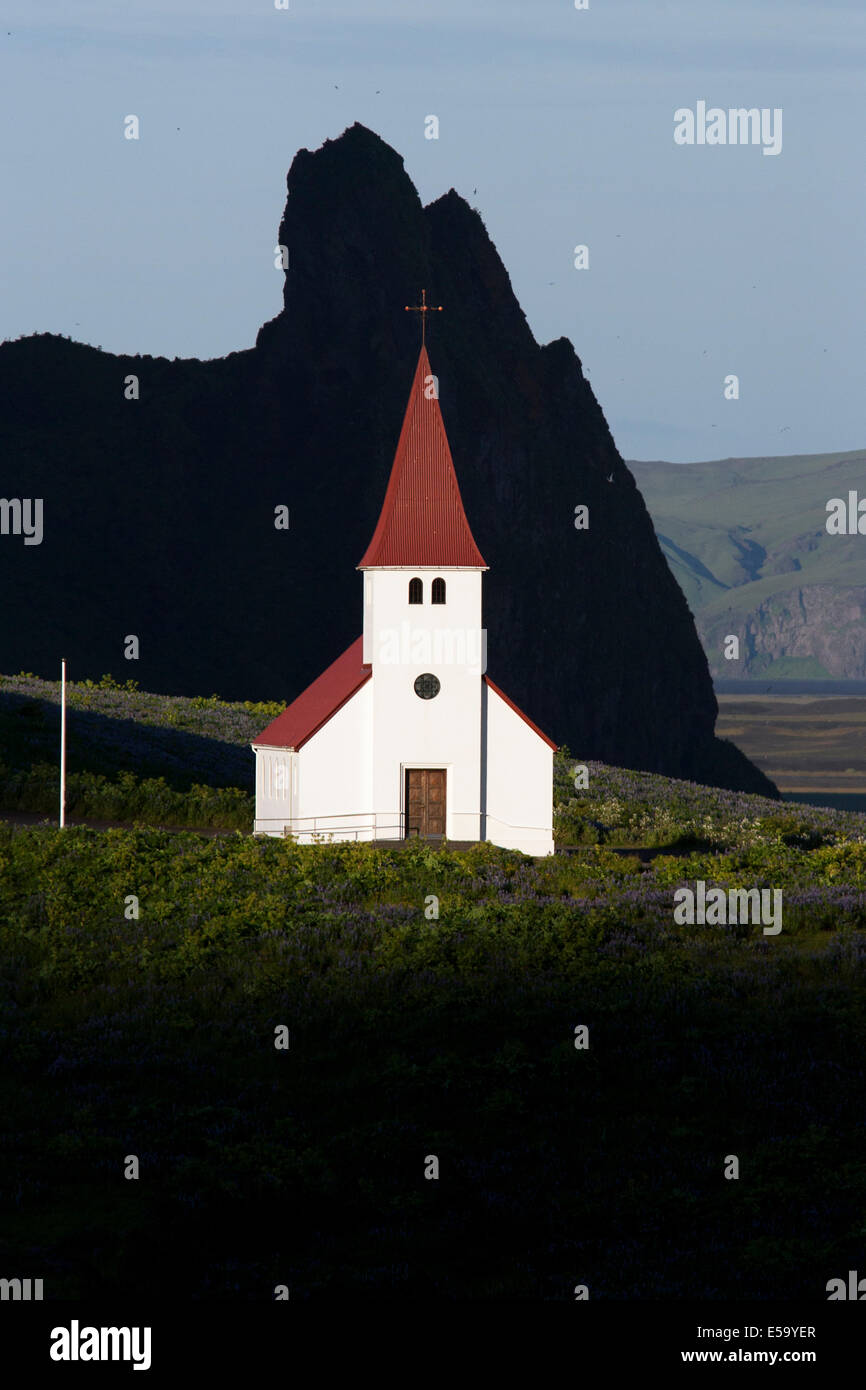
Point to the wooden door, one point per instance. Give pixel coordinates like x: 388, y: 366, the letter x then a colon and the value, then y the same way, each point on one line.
x: 425, y: 802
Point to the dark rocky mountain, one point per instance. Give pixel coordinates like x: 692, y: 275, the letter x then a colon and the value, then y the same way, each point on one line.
x: 158, y: 513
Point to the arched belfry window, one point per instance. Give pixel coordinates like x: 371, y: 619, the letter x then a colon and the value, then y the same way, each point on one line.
x: 416, y: 591
x: 438, y: 591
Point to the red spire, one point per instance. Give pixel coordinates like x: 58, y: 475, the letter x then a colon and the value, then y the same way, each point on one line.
x: 422, y: 520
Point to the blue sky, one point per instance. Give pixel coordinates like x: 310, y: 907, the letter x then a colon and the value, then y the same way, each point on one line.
x: 704, y: 261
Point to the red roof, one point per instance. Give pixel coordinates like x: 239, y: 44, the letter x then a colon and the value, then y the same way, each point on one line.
x: 422, y: 520
x: 319, y: 702
x: 525, y: 717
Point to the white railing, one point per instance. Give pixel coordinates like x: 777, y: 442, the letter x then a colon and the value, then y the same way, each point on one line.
x: 348, y: 823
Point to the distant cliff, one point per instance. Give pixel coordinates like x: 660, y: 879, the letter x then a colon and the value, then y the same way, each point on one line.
x: 158, y: 513
x: 748, y: 542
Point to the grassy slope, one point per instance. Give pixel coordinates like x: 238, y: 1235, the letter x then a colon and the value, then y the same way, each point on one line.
x: 131, y: 755
x: 137, y: 757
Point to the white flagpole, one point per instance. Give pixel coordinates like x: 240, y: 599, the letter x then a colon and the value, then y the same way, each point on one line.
x: 63, y: 741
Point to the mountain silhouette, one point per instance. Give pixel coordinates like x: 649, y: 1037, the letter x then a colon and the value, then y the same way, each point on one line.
x: 159, y: 512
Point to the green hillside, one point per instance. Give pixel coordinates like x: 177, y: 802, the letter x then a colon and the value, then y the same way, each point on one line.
x: 135, y: 757
x: 131, y: 755
x: 747, y: 541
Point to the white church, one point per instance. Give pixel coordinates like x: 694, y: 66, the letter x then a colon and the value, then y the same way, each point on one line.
x: 405, y: 734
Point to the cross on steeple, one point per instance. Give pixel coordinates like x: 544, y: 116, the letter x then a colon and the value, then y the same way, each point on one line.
x: 423, y: 309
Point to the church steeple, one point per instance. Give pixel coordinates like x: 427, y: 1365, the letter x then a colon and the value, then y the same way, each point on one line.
x: 422, y: 522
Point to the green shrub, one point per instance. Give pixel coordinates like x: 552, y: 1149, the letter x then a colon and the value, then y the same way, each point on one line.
x: 149, y: 800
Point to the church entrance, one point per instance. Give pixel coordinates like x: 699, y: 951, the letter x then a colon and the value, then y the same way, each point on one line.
x: 425, y: 802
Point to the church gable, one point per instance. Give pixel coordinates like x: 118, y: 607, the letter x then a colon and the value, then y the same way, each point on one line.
x: 519, y: 712
x: 319, y: 702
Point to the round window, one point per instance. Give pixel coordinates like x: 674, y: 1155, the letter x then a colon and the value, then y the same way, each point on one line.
x: 427, y: 686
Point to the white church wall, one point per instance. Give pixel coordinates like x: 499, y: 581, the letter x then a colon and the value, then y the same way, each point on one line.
x: 335, y: 798
x: 276, y: 789
x: 408, y: 640
x: 519, y: 765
